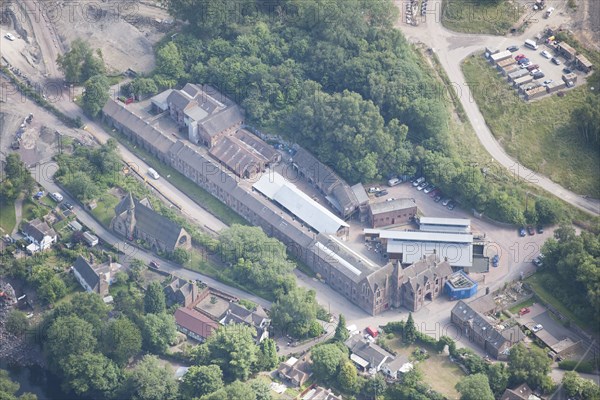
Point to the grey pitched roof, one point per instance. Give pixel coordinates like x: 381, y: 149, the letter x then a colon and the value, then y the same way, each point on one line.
x: 345, y: 197
x: 379, y: 277
x: 424, y: 270
x: 223, y: 120
x: 179, y: 100
x: 479, y: 325
x: 360, y: 193
x: 86, y: 270
x: 236, y: 155
x: 387, y: 206
x: 148, y: 220
x: 237, y: 313
x: 315, y: 170
x: 125, y: 204
x: 368, y: 351
x: 38, y: 229
x: 256, y: 143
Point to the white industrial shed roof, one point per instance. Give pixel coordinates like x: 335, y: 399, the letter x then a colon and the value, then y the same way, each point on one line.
x: 423, y: 236
x: 452, y: 225
x: 277, y: 188
x: 459, y: 254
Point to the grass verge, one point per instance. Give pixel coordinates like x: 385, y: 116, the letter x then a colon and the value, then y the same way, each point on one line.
x: 539, y: 134
x: 196, y: 193
x: 545, y: 295
x: 105, y: 209
x: 480, y: 17
x: 8, y: 217
x: 527, y: 303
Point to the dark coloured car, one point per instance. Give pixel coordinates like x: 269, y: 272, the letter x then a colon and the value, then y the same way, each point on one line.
x: 512, y: 49
x: 523, y: 60
x: 538, y: 75
x: 495, y: 260
x: 522, y: 232
x: 530, y: 230
x: 434, y: 193
x: 69, y: 205
x: 381, y: 193
x: 567, y: 70
x: 154, y: 264
x: 437, y: 198
x: 540, y: 229
x: 555, y: 61
x: 451, y: 205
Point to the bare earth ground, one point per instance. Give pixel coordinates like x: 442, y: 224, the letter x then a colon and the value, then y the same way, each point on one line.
x: 586, y: 23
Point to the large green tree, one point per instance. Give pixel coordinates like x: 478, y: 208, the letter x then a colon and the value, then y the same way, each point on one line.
x: 68, y: 336
x: 8, y: 388
x: 295, y: 313
x: 122, y: 340
x: 530, y: 366
x: 267, y: 357
x: 15, y: 178
x: 233, y: 349
x: 16, y: 322
x: 201, y: 380
x: 327, y: 360
x: 81, y: 62
x: 341, y: 333
x: 578, y: 387
x: 90, y: 375
x: 96, y: 95
x: 475, y: 387
x: 149, y: 380
x: 158, y: 331
x: 154, y: 299
x: 410, y: 330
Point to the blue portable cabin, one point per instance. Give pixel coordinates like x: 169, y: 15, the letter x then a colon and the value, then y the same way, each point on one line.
x: 460, y: 286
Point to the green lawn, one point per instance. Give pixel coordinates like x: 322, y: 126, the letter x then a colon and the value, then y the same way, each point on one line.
x: 472, y: 17
x: 7, y: 217
x: 546, y: 296
x: 195, y: 192
x: 105, y: 211
x: 538, y: 134
x: 527, y: 303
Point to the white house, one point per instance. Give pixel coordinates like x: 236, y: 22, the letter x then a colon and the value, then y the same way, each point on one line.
x: 95, y: 278
x: 39, y: 234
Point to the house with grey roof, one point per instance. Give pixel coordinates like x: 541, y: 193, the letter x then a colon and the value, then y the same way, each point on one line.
x: 521, y: 392
x: 137, y: 220
x: 94, y: 277
x: 367, y: 355
x: 257, y: 318
x: 420, y: 282
x: 182, y: 292
x: 295, y: 371
x: 39, y: 235
x: 394, y: 212
x: 478, y: 329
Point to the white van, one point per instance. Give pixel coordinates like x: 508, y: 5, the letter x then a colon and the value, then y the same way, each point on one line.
x: 393, y: 182
x: 153, y: 173
x: 57, y: 197
x: 531, y: 44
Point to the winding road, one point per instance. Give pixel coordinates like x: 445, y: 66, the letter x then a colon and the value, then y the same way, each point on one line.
x: 44, y: 173
x: 452, y: 48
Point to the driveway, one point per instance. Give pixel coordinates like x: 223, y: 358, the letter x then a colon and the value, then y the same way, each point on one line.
x: 131, y: 252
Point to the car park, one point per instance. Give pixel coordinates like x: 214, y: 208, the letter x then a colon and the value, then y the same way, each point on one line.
x: 446, y: 201
x: 512, y: 49
x: 451, y: 205
x: 522, y: 232
x: 555, y: 61
x: 545, y: 54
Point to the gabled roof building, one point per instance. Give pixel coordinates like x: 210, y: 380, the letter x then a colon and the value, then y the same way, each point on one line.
x: 39, y: 234
x: 257, y: 319
x: 95, y: 277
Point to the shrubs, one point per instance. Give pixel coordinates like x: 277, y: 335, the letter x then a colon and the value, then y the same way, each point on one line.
x: 586, y: 367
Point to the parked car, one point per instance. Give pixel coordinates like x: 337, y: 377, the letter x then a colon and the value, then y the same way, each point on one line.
x: 451, y: 205
x: 537, y: 328
x: 538, y: 75
x: 567, y: 70
x: 418, y: 181
x: 56, y: 197
x: 422, y: 186
x: 512, y: 49
x: 381, y: 193
x: 446, y: 201
x: 495, y: 260
x: 390, y: 199
x: 520, y: 57
x: 532, y: 67
x: 525, y: 65
x: 66, y: 206
x: 524, y: 310
x: 39, y: 195
x: 538, y: 261
x: 429, y: 188
x: 540, y: 229
x: 548, y: 81
x: 437, y: 198
x: 523, y: 61
x: 10, y: 37
x: 434, y: 192
x: 545, y: 54
x: 154, y: 264
x: 530, y: 230
x: 522, y: 232
x: 555, y: 60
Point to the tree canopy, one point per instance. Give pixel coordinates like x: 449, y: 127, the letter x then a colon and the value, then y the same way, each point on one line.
x: 81, y: 62
x: 296, y: 313
x: 96, y: 95
x: 151, y: 381
x: 529, y: 365
x: 154, y: 299
x: 475, y: 387
x: 201, y: 380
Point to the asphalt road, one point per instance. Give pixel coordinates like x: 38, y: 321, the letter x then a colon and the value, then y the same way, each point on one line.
x: 43, y: 175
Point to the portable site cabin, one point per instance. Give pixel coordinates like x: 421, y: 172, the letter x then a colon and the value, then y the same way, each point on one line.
x: 523, y: 80
x: 517, y: 74
x: 503, y: 55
